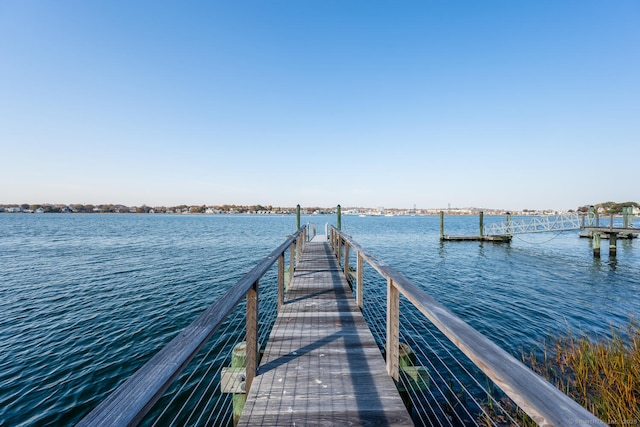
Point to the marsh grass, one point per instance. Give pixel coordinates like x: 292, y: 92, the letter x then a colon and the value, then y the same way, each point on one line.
x: 602, y: 375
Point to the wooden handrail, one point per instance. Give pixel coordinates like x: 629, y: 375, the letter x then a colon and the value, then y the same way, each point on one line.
x: 131, y: 401
x: 543, y: 402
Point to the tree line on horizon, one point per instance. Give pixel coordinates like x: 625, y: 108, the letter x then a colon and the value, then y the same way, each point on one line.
x: 119, y: 208
x: 610, y: 207
x: 604, y: 207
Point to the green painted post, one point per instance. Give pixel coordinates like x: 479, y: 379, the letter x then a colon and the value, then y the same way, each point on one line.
x: 298, y: 217
x: 508, y: 224
x: 406, y: 356
x: 481, y: 223
x: 412, y: 378
x: 238, y: 360
x: 441, y: 225
x: 596, y: 244
x: 339, y: 218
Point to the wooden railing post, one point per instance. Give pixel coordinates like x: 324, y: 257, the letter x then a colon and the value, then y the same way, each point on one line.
x: 300, y: 245
x: 252, y: 335
x: 359, y: 279
x: 330, y: 238
x: 393, y: 329
x: 280, y: 281
x: 334, y: 241
x: 346, y: 260
x: 292, y: 257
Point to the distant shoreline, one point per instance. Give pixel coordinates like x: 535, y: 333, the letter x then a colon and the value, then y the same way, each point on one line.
x: 271, y: 210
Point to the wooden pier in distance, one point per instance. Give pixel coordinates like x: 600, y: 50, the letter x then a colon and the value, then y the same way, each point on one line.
x: 321, y: 365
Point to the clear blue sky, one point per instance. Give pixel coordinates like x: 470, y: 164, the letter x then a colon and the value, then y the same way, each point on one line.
x: 498, y: 104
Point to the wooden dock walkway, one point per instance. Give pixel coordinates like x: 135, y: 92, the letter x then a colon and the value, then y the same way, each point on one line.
x: 321, y: 365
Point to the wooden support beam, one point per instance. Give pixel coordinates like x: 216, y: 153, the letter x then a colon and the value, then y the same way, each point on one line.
x: 252, y: 335
x: 346, y: 260
x: 280, y: 281
x: 292, y: 257
x: 359, y: 281
x: 393, y: 330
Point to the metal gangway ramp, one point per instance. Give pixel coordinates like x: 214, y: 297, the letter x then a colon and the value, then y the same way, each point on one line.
x: 321, y: 365
x: 539, y: 224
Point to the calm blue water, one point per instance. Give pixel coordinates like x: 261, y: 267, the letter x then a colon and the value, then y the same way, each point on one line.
x: 86, y: 299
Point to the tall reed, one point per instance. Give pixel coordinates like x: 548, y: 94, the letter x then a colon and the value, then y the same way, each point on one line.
x: 602, y: 375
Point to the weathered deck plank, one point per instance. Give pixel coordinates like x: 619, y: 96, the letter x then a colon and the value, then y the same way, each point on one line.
x: 321, y: 365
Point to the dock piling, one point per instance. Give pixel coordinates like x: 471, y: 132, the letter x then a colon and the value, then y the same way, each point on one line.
x: 412, y: 377
x: 238, y: 362
x: 595, y: 238
x: 613, y: 237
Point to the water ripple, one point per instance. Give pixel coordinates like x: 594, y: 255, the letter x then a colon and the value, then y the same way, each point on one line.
x: 87, y: 299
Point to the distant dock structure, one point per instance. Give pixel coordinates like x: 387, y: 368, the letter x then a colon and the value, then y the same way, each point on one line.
x: 503, y: 232
x: 596, y: 232
x: 480, y: 237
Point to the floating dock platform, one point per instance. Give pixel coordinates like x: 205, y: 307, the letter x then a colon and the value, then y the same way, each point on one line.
x: 495, y: 239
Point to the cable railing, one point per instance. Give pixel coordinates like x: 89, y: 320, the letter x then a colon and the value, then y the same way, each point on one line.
x: 448, y: 373
x: 202, y: 376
